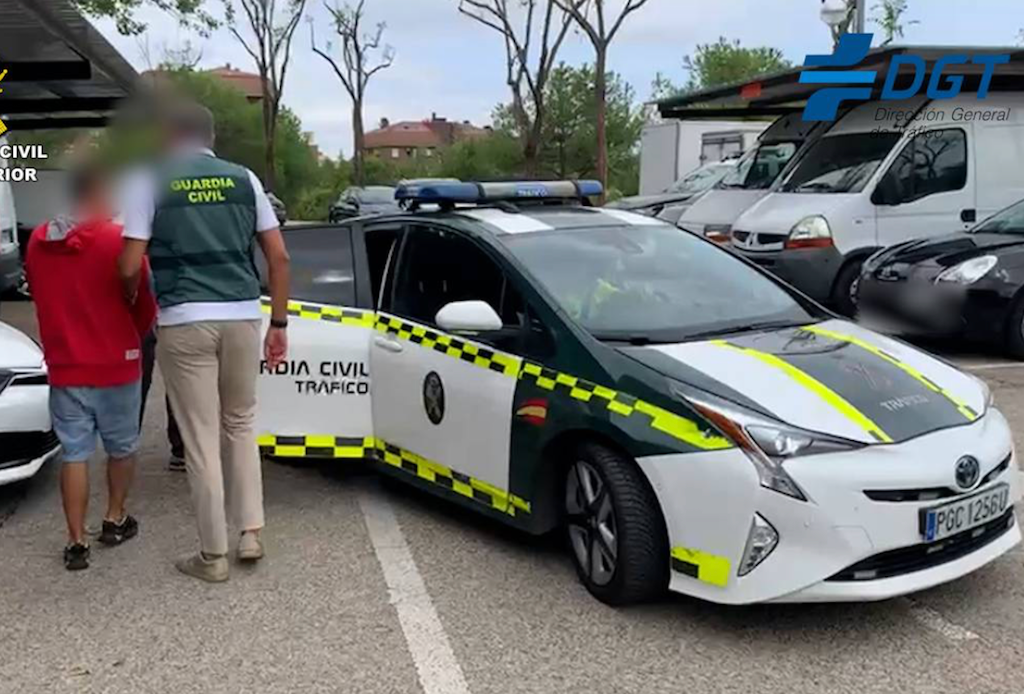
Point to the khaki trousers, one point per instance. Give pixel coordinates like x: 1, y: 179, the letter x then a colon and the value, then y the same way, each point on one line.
x: 210, y: 370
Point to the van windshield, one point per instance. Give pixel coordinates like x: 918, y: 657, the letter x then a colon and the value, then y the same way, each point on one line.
x: 757, y: 170
x: 841, y: 163
x: 654, y: 283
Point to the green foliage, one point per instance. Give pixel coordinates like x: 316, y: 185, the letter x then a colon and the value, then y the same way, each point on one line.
x: 188, y: 13
x: 889, y: 17
x: 725, y: 62
x: 569, y: 141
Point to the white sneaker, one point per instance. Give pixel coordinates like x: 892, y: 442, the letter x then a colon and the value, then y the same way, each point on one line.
x: 250, y: 546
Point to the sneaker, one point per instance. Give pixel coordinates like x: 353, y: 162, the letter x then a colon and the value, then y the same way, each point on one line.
x: 250, y: 546
x: 76, y: 557
x: 176, y: 463
x: 116, y: 533
x: 197, y: 566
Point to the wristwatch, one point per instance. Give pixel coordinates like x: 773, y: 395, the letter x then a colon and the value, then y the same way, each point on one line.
x: 274, y: 323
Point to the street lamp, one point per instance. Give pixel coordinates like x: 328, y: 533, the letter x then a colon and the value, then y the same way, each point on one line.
x: 840, y: 15
x: 834, y: 13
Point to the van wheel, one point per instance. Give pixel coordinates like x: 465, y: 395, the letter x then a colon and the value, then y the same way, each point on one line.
x: 1015, y: 329
x: 614, y: 527
x: 844, y: 289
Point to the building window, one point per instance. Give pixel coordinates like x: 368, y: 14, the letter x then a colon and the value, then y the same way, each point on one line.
x: 429, y: 151
x: 395, y: 153
x: 410, y: 153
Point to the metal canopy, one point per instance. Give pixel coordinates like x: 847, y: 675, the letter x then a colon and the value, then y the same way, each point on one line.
x: 61, y: 72
x: 781, y: 92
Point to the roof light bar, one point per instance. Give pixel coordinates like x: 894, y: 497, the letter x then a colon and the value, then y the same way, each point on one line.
x: 445, y: 192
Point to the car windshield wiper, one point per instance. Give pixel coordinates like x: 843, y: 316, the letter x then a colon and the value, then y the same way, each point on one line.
x: 815, y: 186
x: 751, y: 328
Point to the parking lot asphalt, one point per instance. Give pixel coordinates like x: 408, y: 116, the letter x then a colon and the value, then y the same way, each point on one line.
x: 371, y: 587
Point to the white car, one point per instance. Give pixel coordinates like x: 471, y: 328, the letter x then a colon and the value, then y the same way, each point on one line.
x: 27, y: 440
x: 686, y: 419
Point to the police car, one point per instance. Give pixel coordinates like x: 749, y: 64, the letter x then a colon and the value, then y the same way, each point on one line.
x: 687, y: 420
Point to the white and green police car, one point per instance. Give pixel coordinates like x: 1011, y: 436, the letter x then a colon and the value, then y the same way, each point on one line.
x: 688, y: 420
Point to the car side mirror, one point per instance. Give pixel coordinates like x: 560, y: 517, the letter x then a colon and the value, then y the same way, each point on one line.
x: 468, y: 316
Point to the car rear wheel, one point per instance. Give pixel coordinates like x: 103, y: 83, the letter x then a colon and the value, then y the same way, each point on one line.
x: 614, y: 527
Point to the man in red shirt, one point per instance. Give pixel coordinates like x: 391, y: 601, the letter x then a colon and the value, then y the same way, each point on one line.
x: 92, y: 342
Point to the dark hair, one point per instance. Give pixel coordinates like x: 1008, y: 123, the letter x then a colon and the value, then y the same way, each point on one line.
x: 191, y: 121
x: 86, y: 180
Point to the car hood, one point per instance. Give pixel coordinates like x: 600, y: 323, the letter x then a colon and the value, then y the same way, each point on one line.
x: 778, y: 213
x: 17, y: 350
x: 639, y: 202
x: 832, y: 377
x: 720, y: 206
x: 951, y: 249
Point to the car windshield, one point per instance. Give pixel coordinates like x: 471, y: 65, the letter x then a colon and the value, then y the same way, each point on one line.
x: 841, y: 163
x: 653, y: 283
x: 699, y: 180
x: 757, y: 170
x: 377, y: 195
x: 1009, y: 221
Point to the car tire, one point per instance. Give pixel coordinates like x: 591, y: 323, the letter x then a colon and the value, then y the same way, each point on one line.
x: 1015, y: 329
x: 844, y: 287
x: 614, y: 528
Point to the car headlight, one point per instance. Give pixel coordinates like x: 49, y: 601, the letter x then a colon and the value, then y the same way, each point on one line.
x: 768, y: 443
x: 969, y: 271
x: 810, y: 232
x: 719, y: 233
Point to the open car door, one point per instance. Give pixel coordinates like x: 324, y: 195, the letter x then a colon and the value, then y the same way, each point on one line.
x: 317, y: 403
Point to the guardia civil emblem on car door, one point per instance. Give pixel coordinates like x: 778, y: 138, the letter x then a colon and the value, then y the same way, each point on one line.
x: 433, y: 397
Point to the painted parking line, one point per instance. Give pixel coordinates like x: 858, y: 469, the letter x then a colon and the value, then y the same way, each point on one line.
x: 992, y: 366
x: 431, y: 652
x: 937, y: 623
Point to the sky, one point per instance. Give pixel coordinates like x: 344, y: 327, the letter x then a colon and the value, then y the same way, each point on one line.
x: 446, y: 63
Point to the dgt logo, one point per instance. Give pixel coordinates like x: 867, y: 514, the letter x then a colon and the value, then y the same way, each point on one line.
x: 853, y: 48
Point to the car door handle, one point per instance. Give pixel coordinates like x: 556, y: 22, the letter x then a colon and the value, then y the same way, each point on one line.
x: 388, y: 344
x: 968, y: 216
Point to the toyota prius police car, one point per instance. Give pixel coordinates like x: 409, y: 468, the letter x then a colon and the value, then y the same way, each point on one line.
x: 689, y: 421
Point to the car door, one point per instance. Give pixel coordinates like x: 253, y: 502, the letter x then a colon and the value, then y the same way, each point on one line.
x: 928, y: 189
x: 317, y: 403
x: 443, y: 397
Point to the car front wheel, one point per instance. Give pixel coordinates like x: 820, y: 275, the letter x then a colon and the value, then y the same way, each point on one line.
x: 614, y: 527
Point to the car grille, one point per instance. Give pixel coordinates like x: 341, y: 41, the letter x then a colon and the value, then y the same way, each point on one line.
x: 18, y: 447
x: 933, y: 493
x: 907, y: 560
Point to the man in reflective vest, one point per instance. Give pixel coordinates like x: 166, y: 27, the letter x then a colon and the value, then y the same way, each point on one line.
x: 200, y: 219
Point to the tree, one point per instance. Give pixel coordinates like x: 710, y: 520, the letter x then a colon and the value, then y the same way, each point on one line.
x: 358, y: 65
x: 528, y: 111
x: 590, y: 16
x: 188, y: 13
x: 270, y: 45
x: 727, y: 62
x: 889, y: 17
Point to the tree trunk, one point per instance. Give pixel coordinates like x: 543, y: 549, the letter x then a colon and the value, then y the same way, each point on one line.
x: 600, y: 97
x: 269, y: 130
x: 358, y: 141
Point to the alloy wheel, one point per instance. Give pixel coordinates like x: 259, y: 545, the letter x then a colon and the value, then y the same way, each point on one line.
x: 593, y: 531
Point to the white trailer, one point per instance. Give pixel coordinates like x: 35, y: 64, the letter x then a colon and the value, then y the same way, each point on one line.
x: 670, y: 149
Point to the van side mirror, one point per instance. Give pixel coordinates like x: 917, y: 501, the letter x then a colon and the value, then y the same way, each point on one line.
x: 468, y: 316
x: 887, y: 192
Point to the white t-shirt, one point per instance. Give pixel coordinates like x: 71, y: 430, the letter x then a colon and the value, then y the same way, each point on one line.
x: 138, y: 207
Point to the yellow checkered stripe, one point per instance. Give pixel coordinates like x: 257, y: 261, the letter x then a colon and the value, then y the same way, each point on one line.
x: 450, y: 346
x: 371, y: 448
x: 329, y: 314
x: 703, y: 566
x: 623, y: 405
x: 966, y: 410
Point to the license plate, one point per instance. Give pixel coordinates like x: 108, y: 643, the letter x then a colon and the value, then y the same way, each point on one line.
x: 955, y: 517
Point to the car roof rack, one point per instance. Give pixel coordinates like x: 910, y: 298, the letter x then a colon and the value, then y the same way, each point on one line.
x: 508, y: 195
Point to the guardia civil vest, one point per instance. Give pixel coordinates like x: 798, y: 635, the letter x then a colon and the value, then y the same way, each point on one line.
x: 204, y: 232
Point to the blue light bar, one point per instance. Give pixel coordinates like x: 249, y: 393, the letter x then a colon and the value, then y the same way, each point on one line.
x: 479, y: 193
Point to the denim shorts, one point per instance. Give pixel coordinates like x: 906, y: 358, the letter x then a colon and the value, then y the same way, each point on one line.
x: 81, y: 413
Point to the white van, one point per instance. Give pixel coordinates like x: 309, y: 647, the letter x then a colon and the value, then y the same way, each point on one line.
x: 884, y: 173
x: 713, y: 213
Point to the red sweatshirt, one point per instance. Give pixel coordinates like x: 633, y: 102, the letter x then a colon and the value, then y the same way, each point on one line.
x: 91, y: 335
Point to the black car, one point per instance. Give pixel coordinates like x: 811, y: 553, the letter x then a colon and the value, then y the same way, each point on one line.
x: 358, y: 201
x: 968, y: 284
